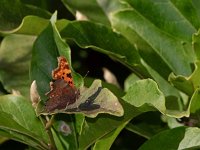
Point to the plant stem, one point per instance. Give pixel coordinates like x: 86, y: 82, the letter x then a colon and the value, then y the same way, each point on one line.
x: 49, y: 123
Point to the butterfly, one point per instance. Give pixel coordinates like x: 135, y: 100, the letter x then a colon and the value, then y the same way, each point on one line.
x: 65, y: 97
x: 64, y: 93
x: 62, y: 90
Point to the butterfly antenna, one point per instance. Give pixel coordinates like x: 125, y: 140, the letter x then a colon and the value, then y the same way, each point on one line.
x: 86, y: 75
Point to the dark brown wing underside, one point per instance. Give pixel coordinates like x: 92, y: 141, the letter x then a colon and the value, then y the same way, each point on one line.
x: 60, y: 95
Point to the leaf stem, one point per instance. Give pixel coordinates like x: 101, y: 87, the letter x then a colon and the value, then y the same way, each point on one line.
x: 48, y: 127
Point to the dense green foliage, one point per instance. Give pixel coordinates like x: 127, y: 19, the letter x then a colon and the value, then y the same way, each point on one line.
x: 157, y: 40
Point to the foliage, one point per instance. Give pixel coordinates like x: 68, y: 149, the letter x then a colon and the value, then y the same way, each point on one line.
x: 158, y: 41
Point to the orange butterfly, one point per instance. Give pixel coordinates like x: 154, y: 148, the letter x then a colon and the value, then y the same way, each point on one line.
x: 63, y: 92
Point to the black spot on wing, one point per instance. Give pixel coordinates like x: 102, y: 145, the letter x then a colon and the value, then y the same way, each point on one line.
x: 69, y: 75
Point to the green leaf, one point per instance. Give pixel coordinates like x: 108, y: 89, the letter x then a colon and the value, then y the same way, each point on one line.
x: 81, y: 33
x: 65, y: 132
x: 147, y: 124
x: 15, y: 52
x: 19, y: 121
x: 172, y: 122
x: 139, y: 130
x: 146, y: 95
x: 3, y: 139
x: 130, y: 80
x: 182, y: 83
x: 23, y: 139
x: 95, y: 128
x: 177, y: 138
x: 190, y: 16
x: 89, y: 8
x: 165, y: 21
x: 111, y: 6
x: 58, y: 143
x: 34, y: 25
x: 146, y: 92
x: 44, y: 59
x: 11, y: 17
x: 79, y: 119
x: 195, y: 104
x: 107, y: 141
x: 118, y: 48
x: 196, y: 44
x: 163, y: 84
x: 131, y: 22
x: 187, y: 84
x: 31, y: 25
x: 103, y: 98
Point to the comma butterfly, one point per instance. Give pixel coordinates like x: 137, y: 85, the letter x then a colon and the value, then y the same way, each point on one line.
x: 62, y: 92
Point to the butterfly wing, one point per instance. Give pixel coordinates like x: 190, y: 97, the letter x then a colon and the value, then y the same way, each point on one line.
x: 63, y: 71
x: 60, y: 96
x: 63, y: 91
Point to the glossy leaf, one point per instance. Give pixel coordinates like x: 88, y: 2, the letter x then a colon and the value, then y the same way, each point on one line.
x: 194, y: 104
x: 148, y: 97
x: 151, y: 38
x: 184, y: 25
x: 103, y: 99
x: 95, y: 128
x: 44, y: 58
x: 11, y: 17
x: 18, y: 121
x: 147, y: 124
x: 64, y: 132
x: 187, y: 84
x: 107, y: 140
x: 177, y: 62
x: 130, y: 80
x: 23, y: 139
x: 177, y: 138
x: 146, y: 92
x: 107, y: 42
x: 89, y: 8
